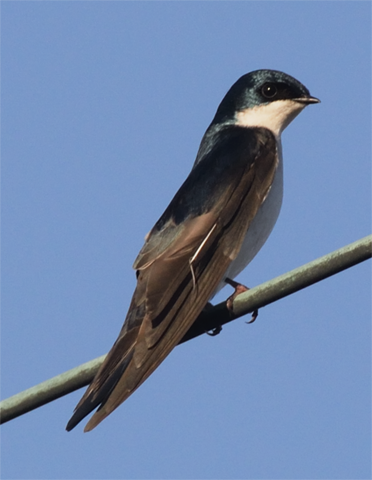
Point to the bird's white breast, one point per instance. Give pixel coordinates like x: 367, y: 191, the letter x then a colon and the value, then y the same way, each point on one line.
x: 262, y: 224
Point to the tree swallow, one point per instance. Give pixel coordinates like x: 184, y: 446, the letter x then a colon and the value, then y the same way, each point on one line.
x: 214, y: 226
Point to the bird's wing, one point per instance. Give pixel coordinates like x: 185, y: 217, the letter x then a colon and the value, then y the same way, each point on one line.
x: 182, y: 262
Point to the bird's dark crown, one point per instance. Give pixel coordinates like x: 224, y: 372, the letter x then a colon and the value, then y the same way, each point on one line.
x: 259, y: 88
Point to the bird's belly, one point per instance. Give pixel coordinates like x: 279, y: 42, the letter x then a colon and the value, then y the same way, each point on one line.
x: 260, y: 228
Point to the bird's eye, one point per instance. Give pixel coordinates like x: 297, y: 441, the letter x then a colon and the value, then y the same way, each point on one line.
x: 269, y: 90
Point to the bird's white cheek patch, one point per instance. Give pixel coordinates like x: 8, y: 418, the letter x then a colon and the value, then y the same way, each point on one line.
x: 275, y: 116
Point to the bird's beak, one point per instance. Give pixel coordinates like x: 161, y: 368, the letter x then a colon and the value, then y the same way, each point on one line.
x: 307, y: 100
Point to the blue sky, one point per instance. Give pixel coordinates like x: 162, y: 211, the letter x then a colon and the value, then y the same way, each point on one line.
x: 103, y: 108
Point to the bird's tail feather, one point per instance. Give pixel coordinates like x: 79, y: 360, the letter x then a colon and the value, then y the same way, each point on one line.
x: 93, y: 398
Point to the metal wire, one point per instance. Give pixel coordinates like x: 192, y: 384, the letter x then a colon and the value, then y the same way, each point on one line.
x: 246, y: 302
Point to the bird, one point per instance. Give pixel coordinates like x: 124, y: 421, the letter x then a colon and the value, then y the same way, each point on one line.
x: 213, y: 227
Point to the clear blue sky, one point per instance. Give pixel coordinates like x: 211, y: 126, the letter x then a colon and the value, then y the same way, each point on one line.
x: 103, y: 108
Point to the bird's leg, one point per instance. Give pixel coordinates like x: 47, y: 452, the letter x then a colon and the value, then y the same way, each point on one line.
x: 239, y: 288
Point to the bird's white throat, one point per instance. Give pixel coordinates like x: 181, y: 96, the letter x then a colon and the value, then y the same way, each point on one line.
x: 274, y: 116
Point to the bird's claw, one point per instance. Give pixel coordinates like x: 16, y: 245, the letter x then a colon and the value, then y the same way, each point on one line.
x: 253, y: 318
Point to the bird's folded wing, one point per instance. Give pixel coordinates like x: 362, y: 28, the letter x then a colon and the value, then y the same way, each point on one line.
x: 175, y: 279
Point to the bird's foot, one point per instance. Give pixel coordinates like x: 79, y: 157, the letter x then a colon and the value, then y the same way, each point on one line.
x: 239, y: 288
